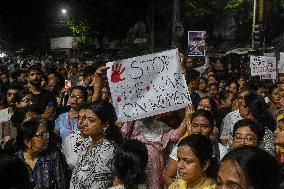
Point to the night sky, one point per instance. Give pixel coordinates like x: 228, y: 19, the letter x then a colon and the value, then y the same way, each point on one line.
x: 29, y: 24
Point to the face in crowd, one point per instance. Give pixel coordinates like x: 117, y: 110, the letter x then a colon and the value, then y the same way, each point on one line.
x: 201, y: 125
x: 76, y: 98
x: 35, y: 78
x: 279, y: 133
x: 89, y: 124
x: 205, y: 104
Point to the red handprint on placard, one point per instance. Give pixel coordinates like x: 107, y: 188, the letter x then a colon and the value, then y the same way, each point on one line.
x: 117, y: 70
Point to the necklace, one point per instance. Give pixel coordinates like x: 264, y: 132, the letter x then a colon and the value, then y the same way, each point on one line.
x: 93, y: 145
x: 200, y: 184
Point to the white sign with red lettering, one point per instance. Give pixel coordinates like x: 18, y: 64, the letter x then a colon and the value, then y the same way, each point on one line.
x: 262, y: 65
x: 147, y: 85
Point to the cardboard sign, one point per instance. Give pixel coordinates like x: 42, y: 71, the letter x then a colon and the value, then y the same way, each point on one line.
x: 196, y: 43
x: 281, y: 63
x: 147, y: 85
x: 262, y: 65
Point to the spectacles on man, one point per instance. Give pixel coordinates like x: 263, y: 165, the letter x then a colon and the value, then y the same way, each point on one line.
x: 26, y: 100
x: 77, y: 97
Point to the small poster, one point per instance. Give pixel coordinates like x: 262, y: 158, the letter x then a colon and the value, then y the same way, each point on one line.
x: 196, y: 43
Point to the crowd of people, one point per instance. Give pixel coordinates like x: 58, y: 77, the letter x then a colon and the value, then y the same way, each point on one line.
x: 59, y: 129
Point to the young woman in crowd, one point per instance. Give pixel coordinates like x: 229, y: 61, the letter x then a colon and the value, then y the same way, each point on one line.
x: 202, y: 87
x: 95, y: 168
x: 248, y: 133
x: 67, y: 122
x: 254, y: 107
x: 75, y: 144
x: 202, y: 122
x: 208, y: 103
x: 214, y: 93
x: 130, y: 165
x: 45, y: 167
x: 248, y: 167
x: 274, y: 104
x: 196, y: 167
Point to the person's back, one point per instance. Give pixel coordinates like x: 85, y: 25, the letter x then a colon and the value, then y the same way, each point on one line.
x: 13, y: 173
x: 130, y: 165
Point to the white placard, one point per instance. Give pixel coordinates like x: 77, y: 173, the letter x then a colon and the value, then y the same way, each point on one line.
x: 272, y: 68
x: 281, y: 63
x: 147, y: 85
x: 262, y: 65
x: 62, y: 42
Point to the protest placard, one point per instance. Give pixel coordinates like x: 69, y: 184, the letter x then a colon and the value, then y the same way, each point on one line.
x: 281, y: 63
x: 271, y: 65
x: 196, y: 43
x: 147, y: 85
x: 262, y: 65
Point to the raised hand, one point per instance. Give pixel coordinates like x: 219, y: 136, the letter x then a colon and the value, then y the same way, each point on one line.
x: 117, y: 70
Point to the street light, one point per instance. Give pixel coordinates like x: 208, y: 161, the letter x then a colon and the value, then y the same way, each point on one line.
x: 64, y: 11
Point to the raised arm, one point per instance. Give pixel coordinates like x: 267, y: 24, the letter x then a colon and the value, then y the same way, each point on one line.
x: 97, y: 81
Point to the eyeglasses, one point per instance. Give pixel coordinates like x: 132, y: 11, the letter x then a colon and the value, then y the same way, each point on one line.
x: 247, y: 139
x: 77, y: 97
x: 42, y: 135
x: 26, y: 100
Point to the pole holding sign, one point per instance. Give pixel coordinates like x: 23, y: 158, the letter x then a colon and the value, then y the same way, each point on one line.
x: 147, y: 85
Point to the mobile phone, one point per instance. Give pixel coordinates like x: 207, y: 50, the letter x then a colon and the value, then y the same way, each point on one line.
x: 50, y: 104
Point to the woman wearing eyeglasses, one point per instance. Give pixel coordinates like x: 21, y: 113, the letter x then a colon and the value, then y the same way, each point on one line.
x: 45, y: 167
x: 254, y: 107
x: 248, y: 133
x: 66, y: 123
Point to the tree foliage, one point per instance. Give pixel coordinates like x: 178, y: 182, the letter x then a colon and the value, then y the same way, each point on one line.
x: 81, y: 29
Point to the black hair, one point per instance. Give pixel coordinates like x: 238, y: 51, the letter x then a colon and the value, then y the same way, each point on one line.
x: 83, y: 90
x: 15, y: 86
x: 202, y: 148
x: 106, y: 112
x: 191, y: 75
x: 130, y: 163
x: 271, y: 89
x: 204, y: 113
x: 235, y: 82
x: 254, y: 84
x: 13, y: 172
x: 212, y: 102
x: 260, y: 168
x: 88, y: 71
x: 204, y: 79
x: 254, y: 126
x: 259, y: 110
x: 21, y: 94
x: 34, y: 68
x: 27, y: 131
